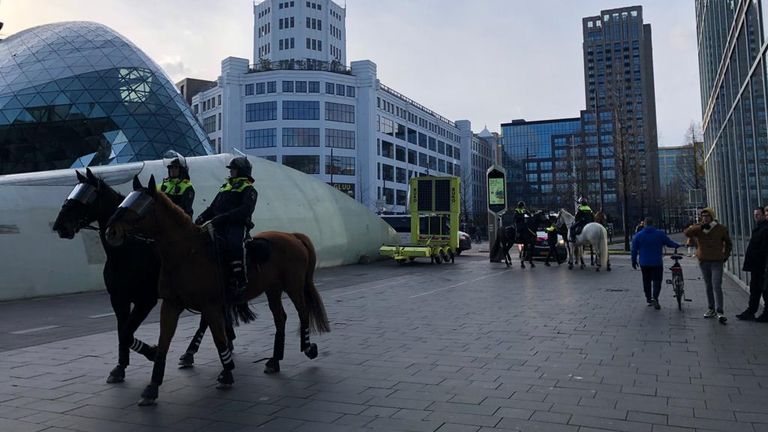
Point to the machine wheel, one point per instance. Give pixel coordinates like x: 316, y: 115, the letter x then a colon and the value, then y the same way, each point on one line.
x: 437, y: 259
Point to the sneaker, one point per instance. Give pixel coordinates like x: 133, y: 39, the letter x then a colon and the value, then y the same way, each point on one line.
x: 721, y: 318
x: 650, y: 302
x: 762, y: 318
x: 749, y: 316
x: 656, y: 304
x: 710, y: 313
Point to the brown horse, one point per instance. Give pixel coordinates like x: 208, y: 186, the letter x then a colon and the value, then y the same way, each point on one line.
x: 190, y: 278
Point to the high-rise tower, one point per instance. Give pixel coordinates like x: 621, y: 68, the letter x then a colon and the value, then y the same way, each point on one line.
x: 299, y: 30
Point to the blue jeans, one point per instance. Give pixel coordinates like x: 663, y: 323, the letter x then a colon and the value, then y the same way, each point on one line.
x: 712, y: 272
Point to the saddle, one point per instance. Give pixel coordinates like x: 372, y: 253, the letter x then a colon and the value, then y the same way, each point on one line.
x: 258, y: 249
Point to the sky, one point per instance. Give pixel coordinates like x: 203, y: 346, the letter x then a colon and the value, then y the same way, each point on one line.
x: 488, y: 61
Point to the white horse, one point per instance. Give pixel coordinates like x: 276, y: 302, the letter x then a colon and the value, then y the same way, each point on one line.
x: 593, y: 234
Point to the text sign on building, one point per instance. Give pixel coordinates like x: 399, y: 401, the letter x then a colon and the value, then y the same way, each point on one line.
x: 347, y: 188
x: 497, y: 190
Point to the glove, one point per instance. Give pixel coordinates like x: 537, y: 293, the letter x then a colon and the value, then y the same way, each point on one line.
x: 199, y: 220
x: 706, y: 226
x: 634, y: 265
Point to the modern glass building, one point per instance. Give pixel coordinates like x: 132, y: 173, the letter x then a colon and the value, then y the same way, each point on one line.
x: 78, y: 94
x: 732, y: 65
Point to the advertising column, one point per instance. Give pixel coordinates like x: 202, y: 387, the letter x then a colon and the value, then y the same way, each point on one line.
x: 497, y: 205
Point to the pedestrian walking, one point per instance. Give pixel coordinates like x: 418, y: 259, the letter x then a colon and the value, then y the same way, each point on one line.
x: 714, y: 248
x: 648, y: 245
x: 755, y: 261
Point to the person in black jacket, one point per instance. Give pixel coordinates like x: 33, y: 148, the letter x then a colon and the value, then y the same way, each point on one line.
x: 177, y: 186
x: 230, y: 213
x: 755, y: 262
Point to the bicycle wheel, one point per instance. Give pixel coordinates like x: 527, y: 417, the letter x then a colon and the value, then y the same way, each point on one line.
x: 678, y: 284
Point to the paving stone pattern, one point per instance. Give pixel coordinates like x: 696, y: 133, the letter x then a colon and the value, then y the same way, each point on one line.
x: 451, y: 348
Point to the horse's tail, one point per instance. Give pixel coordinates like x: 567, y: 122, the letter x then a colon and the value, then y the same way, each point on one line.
x: 603, y: 247
x: 240, y: 313
x: 318, y: 319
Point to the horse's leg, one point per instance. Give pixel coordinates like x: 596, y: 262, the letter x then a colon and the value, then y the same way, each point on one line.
x: 138, y: 314
x: 169, y: 319
x: 531, y: 247
x: 279, y: 315
x: 217, y: 320
x: 571, y: 250
x: 295, y: 291
x: 122, y: 309
x: 522, y: 256
x: 187, y: 359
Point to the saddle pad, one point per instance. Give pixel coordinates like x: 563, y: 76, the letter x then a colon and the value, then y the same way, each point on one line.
x: 259, y: 249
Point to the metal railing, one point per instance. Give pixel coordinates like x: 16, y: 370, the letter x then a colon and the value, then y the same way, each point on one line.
x: 307, y: 65
x: 408, y: 100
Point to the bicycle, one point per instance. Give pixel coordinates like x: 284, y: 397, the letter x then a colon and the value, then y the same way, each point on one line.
x: 677, y: 281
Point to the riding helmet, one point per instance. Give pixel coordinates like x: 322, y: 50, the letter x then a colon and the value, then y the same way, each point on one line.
x: 520, y: 204
x: 242, y: 165
x: 583, y: 201
x: 181, y: 164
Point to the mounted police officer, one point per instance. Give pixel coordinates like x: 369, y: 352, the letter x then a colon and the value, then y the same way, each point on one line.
x: 230, y: 213
x: 519, y: 214
x: 177, y: 185
x: 551, y: 231
x: 584, y: 215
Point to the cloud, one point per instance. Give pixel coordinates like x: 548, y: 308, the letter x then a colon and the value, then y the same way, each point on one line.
x: 175, y: 68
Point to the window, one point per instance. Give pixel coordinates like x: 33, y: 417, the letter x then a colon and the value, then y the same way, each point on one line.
x: 301, y: 86
x: 260, y: 87
x: 261, y: 111
x: 301, y: 137
x: 305, y: 164
x: 340, y: 89
x: 301, y: 110
x: 422, y: 140
x: 412, y: 137
x: 387, y: 149
x: 249, y: 89
x: 339, y: 138
x: 339, y: 112
x: 260, y: 138
x: 400, y: 153
x: 387, y: 172
x: 400, y: 132
x: 400, y: 175
x: 329, y: 88
x: 401, y: 197
x: 314, y: 86
x: 441, y: 147
x: 271, y: 86
x: 423, y: 160
x: 209, y: 124
x: 287, y: 86
x: 340, y: 165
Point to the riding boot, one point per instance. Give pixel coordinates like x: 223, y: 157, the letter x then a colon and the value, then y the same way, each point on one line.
x: 237, y: 283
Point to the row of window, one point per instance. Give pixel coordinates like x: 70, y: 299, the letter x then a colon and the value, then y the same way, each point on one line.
x: 208, y: 104
x: 299, y: 110
x: 335, y: 52
x: 314, y: 23
x: 429, y: 163
x: 404, y: 114
x: 287, y: 43
x: 299, y: 137
x: 335, y: 32
x: 335, y: 14
x: 265, y: 49
x: 310, y: 164
x: 399, y: 131
x: 265, y: 12
x: 299, y: 87
x: 314, y: 44
x: 314, y: 5
x: 284, y: 23
x: 265, y: 29
x: 388, y: 150
x: 285, y: 5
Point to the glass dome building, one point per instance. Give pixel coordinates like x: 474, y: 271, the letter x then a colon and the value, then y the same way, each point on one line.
x: 79, y: 94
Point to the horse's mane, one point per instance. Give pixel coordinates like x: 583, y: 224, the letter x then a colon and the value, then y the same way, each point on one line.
x: 175, y: 213
x: 109, y: 189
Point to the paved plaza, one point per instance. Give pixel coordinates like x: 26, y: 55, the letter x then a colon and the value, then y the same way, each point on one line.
x: 471, y: 347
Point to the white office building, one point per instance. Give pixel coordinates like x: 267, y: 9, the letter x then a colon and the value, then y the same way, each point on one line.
x: 299, y: 105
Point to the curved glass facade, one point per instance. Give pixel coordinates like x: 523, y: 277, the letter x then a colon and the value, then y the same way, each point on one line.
x: 732, y: 65
x: 79, y: 94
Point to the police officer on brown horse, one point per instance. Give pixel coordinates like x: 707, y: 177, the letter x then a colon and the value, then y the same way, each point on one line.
x: 230, y: 213
x: 177, y: 186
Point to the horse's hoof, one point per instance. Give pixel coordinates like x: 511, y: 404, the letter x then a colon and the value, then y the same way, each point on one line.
x: 597, y: 270
x: 608, y: 269
x: 116, y: 375
x: 570, y: 267
x: 149, y: 395
x: 225, y: 379
x: 311, y: 352
x: 187, y: 360
x: 272, y: 367
x: 147, y: 402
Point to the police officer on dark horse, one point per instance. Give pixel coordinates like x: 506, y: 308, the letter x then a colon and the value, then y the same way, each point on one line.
x: 230, y: 213
x: 178, y: 187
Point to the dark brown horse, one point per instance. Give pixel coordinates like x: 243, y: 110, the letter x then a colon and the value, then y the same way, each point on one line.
x: 130, y: 272
x: 190, y: 278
